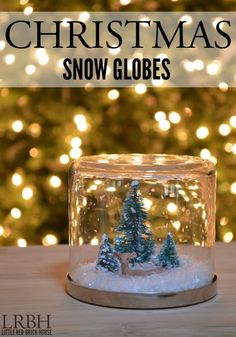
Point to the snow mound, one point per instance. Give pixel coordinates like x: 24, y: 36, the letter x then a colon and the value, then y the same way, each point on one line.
x: 190, y: 274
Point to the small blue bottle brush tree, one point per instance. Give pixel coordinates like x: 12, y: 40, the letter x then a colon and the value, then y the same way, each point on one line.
x: 106, y: 259
x: 168, y: 257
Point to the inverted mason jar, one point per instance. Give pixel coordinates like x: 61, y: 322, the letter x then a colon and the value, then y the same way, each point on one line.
x: 142, y: 230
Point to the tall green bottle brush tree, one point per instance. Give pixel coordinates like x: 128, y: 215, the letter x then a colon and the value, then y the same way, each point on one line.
x: 135, y: 234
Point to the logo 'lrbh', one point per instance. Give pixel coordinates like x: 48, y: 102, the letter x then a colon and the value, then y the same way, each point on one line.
x: 27, y: 324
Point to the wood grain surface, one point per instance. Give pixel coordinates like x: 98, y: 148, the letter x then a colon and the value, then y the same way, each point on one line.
x: 32, y: 282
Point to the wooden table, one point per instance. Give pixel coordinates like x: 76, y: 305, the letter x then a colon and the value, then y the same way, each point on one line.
x: 32, y: 282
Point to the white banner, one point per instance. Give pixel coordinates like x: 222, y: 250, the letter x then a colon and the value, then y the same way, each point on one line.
x: 117, y: 49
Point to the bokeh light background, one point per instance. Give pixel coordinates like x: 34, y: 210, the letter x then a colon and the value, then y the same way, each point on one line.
x: 43, y: 130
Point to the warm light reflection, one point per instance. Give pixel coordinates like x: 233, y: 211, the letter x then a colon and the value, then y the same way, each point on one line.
x: 2, y: 44
x: 213, y: 159
x: 233, y: 188
x: 1, y: 231
x: 55, y: 181
x: 76, y: 142
x: 84, y: 16
x: 228, y: 147
x: 187, y: 18
x: 202, y: 132
x: 182, y: 192
x: 233, y: 148
x: 30, y: 69
x: 64, y: 159
x: 94, y: 241
x: 224, y: 221
x: 232, y: 121
x: 98, y: 182
x: 194, y: 187
x: 10, y: 59
x: 84, y: 202
x: 198, y: 64
x: 75, y: 153
x: 17, y: 126
x: 27, y: 193
x: 28, y: 10
x: 223, y: 86
x: 114, y: 51
x: 228, y: 237
x: 16, y: 179
x: 164, y: 125
x: 35, y: 129
x: 147, y: 203
x: 205, y: 154
x: 113, y: 94
x: 21, y: 242
x: 34, y: 152
x: 224, y: 129
x: 125, y: 2
x: 172, y: 207
x: 176, y: 224
x: 50, y: 240
x: 160, y: 116
x: 140, y: 88
x: 174, y: 117
x: 16, y: 213
x: 111, y: 189
x: 81, y: 241
x: 81, y: 123
x: 213, y: 68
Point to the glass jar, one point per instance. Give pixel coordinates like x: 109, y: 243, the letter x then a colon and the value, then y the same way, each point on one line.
x: 141, y: 230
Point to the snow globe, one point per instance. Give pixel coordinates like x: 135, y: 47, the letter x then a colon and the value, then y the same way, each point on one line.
x: 142, y: 230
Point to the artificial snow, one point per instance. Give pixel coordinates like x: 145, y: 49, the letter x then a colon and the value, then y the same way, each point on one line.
x: 190, y: 274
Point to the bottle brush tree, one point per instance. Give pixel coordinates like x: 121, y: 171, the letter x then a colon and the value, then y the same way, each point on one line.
x: 106, y: 259
x: 135, y: 234
x: 168, y: 257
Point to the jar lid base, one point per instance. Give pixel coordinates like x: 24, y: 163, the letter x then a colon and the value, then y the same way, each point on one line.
x: 141, y: 300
